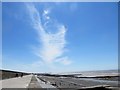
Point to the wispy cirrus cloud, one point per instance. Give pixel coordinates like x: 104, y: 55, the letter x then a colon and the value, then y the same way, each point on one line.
x: 51, y: 36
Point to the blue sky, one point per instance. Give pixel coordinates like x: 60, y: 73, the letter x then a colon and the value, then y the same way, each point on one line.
x: 60, y: 37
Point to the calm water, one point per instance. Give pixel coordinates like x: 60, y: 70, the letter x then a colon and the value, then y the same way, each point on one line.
x: 101, y: 81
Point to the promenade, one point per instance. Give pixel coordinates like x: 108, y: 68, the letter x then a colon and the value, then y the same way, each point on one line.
x: 28, y: 81
x: 18, y: 82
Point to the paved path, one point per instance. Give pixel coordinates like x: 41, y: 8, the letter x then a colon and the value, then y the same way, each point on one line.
x: 19, y: 82
x: 28, y: 81
x: 34, y: 83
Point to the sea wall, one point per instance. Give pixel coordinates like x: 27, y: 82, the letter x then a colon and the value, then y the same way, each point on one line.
x: 6, y: 74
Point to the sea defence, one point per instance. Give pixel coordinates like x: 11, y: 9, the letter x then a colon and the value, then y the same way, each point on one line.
x: 34, y: 82
x: 28, y: 82
x: 6, y: 74
x: 17, y: 82
x: 43, y: 81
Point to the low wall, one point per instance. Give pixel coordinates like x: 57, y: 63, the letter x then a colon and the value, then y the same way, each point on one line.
x: 6, y: 74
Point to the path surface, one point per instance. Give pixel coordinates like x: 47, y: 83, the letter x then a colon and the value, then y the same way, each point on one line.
x: 18, y: 82
x: 34, y: 83
x: 28, y: 81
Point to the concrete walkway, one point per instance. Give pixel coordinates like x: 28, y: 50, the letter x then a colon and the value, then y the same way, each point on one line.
x: 34, y: 83
x: 18, y: 82
x: 28, y: 81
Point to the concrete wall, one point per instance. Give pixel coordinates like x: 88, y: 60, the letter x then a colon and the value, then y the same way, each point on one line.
x: 6, y: 74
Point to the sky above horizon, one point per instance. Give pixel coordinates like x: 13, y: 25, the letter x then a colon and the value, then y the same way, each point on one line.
x: 59, y: 37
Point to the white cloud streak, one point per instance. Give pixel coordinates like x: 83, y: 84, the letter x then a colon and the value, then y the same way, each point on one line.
x: 51, y: 44
x: 64, y: 61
